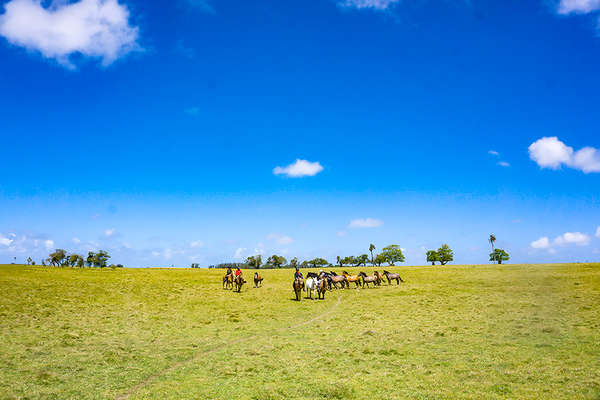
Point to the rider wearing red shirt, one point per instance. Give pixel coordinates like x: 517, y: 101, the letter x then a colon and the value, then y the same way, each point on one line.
x: 238, y: 272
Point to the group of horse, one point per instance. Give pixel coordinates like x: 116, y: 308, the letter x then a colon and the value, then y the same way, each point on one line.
x: 229, y: 281
x: 323, y: 281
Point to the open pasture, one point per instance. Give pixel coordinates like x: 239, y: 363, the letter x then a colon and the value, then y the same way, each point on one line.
x: 510, y: 331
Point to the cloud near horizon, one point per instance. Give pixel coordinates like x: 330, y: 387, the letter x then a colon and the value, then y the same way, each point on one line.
x: 299, y: 169
x: 576, y: 238
x: 92, y: 28
x: 550, y: 152
x: 365, y: 223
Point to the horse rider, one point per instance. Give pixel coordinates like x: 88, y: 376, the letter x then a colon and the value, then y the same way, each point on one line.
x: 298, y: 275
x: 238, y: 272
x: 229, y: 272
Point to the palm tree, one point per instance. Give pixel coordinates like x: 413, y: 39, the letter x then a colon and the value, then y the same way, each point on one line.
x: 371, y: 248
x: 492, y: 239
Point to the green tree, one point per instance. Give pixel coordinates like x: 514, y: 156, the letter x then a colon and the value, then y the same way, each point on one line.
x: 29, y: 261
x: 80, y: 262
x: 318, y: 262
x: 57, y: 257
x: 294, y: 262
x: 254, y: 261
x: 432, y: 256
x: 363, y: 259
x: 371, y: 248
x: 499, y: 255
x: 340, y: 261
x: 91, y: 259
x: 445, y: 254
x: 393, y: 254
x: 73, y: 258
x: 276, y: 261
x: 492, y: 239
x: 379, y: 259
x: 102, y: 258
x: 304, y: 264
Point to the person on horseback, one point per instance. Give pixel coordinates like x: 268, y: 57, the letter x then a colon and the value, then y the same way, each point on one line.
x: 238, y: 272
x: 229, y: 272
x: 298, y: 275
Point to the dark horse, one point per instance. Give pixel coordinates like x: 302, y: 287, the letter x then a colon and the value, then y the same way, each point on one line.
x: 369, y: 279
x: 228, y: 281
x: 239, y: 282
x: 297, y: 286
x: 390, y: 277
x: 321, y: 288
x: 257, y: 280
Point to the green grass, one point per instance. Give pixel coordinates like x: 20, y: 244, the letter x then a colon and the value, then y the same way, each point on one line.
x: 493, y: 332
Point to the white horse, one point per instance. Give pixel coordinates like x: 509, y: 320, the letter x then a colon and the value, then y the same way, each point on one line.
x: 311, y: 287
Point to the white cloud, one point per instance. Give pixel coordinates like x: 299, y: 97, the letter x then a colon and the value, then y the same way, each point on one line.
x: 76, y: 240
x: 299, y: 169
x: 280, y: 239
x: 365, y: 223
x: 197, y: 244
x: 598, y: 232
x: 342, y: 233
x: 93, y: 28
x: 110, y: 232
x: 577, y: 238
x: 578, y: 6
x: 550, y: 152
x: 493, y: 152
x: 503, y: 164
x: 368, y: 4
x: 239, y: 253
x: 49, y: 244
x: 5, y: 241
x: 541, y: 243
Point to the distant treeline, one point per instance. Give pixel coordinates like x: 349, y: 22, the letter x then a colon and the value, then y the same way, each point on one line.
x: 389, y: 255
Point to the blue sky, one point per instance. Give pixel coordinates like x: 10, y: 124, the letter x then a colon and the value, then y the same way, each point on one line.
x: 170, y: 133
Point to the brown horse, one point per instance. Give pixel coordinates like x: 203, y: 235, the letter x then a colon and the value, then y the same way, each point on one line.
x: 297, y: 285
x: 379, y: 277
x: 368, y: 279
x: 228, y: 281
x: 257, y: 280
x: 352, y: 278
x: 239, y: 282
x: 321, y: 288
x: 390, y: 277
x: 335, y: 279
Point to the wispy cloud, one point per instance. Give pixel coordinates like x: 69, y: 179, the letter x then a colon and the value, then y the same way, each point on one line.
x: 239, y: 253
x: 365, y: 223
x: 598, y: 232
x: 541, y: 243
x: 503, y: 164
x: 379, y: 5
x: 493, y: 152
x: 201, y: 5
x: 299, y: 169
x: 4, y: 241
x: 110, y: 232
x: 550, y: 152
x: 93, y: 28
x: 196, y: 244
x: 578, y: 6
x: 280, y: 239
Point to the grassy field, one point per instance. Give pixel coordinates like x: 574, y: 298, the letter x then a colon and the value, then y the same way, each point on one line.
x: 514, y: 331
